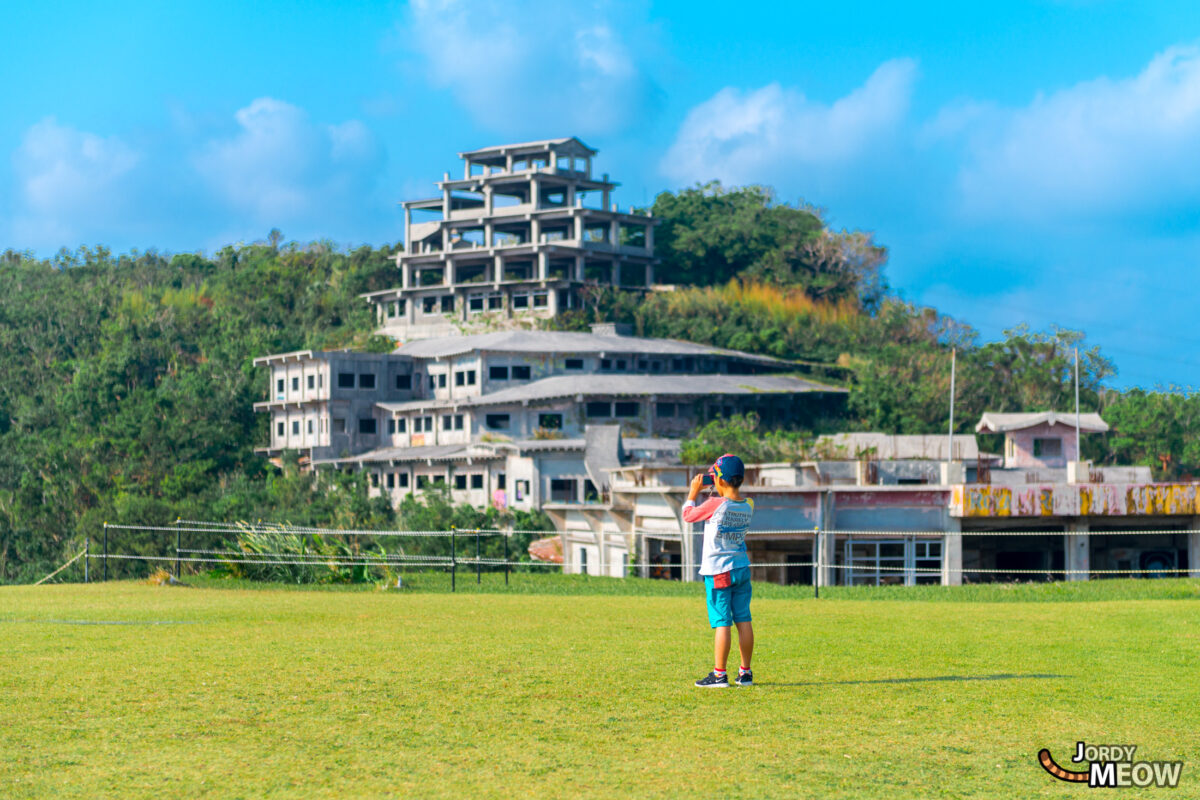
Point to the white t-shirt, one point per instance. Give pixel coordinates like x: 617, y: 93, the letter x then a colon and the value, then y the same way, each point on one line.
x: 725, y: 526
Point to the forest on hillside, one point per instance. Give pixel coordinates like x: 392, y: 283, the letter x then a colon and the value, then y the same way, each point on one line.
x: 129, y: 386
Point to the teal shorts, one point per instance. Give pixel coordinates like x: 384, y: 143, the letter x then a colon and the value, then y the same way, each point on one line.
x: 727, y: 606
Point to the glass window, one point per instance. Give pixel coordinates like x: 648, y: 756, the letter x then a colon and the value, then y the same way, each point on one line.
x: 496, y: 421
x: 460, y: 379
x: 295, y: 427
x: 520, y: 373
x: 495, y: 301
x: 460, y: 482
x: 458, y: 422
x: 551, y: 422
x: 520, y: 301
x: 391, y: 426
x: 366, y: 380
x: 470, y: 377
x: 429, y: 305
x: 597, y: 409
x: 403, y: 476
x: 665, y: 409
x: 391, y: 480
x: 312, y: 382
x: 442, y: 381
x: 345, y: 380
x: 605, y: 363
x: 375, y: 480
x: 432, y: 382
x: 310, y: 427
x: 279, y: 429
x: 295, y: 384
x: 447, y: 422
x: 404, y: 381
x: 498, y: 373
x: 541, y: 299
x: 279, y: 386
x: 401, y: 424
x: 627, y: 409
x: 401, y: 305
x: 477, y: 481
x: 366, y: 426
x: 501, y: 483
x: 573, y: 363
x: 447, y: 303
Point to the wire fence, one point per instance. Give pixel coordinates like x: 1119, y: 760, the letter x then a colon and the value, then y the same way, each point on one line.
x: 273, y: 551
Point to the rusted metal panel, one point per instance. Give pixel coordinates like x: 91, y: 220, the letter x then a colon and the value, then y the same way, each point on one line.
x: 1083, y: 500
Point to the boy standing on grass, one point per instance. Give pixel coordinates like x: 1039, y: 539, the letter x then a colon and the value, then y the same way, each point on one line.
x: 725, y: 566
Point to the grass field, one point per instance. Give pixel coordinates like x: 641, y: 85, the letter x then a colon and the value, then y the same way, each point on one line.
x: 568, y: 687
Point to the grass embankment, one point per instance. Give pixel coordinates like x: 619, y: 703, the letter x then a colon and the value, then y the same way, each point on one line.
x: 423, y: 693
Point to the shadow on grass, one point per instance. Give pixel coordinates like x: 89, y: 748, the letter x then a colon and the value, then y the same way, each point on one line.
x: 1000, y: 677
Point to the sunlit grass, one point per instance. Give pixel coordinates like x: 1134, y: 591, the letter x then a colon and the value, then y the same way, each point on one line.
x: 581, y: 687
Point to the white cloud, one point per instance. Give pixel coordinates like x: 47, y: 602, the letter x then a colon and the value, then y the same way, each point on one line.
x: 70, y: 184
x: 281, y: 168
x: 526, y: 67
x: 1096, y: 148
x: 740, y: 137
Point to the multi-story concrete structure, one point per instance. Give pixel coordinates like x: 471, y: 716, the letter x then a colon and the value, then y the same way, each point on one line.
x: 910, y: 518
x: 519, y: 412
x: 514, y: 239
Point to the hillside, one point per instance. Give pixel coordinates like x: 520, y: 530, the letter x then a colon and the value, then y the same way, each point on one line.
x: 129, y: 379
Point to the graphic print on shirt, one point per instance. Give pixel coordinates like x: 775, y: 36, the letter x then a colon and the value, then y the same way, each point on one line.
x: 732, y: 520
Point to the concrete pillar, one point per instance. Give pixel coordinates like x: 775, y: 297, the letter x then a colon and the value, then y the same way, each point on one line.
x: 952, y: 553
x: 543, y: 266
x: 1194, y: 549
x: 614, y: 233
x: 1077, y: 544
x: 535, y: 194
x: 826, y: 574
x: 579, y: 270
x: 650, y: 238
x: 577, y: 221
x: 488, y: 233
x: 405, y: 276
x: 615, y: 274
x: 497, y: 269
x: 487, y: 200
x: 535, y: 230
x: 649, y: 275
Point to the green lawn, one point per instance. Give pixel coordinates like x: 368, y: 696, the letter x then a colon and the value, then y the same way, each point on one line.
x: 570, y: 687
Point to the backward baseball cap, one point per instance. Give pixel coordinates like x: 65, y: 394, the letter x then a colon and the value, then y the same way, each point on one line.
x: 729, y: 466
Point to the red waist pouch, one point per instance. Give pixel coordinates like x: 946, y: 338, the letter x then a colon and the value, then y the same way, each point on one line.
x: 723, y: 581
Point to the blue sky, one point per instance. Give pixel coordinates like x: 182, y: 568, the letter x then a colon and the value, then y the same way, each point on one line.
x: 1033, y: 162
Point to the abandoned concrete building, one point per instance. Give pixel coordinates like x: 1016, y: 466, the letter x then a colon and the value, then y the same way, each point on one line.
x: 891, y: 509
x: 516, y: 238
x: 522, y: 413
x: 588, y: 426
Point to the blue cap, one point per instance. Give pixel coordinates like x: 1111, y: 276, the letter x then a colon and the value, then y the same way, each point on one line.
x: 729, y: 466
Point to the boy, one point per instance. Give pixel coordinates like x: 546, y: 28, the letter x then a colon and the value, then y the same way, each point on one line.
x: 725, y: 566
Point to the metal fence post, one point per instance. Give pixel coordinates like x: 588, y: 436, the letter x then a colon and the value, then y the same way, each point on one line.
x: 106, y: 551
x: 817, y: 562
x: 506, y: 558
x: 87, y: 542
x: 453, y: 559
x: 177, y: 575
x: 478, y: 566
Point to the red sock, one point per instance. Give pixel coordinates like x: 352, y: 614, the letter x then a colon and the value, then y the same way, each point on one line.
x: 718, y: 672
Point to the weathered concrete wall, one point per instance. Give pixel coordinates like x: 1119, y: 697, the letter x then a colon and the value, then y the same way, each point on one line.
x: 1066, y: 500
